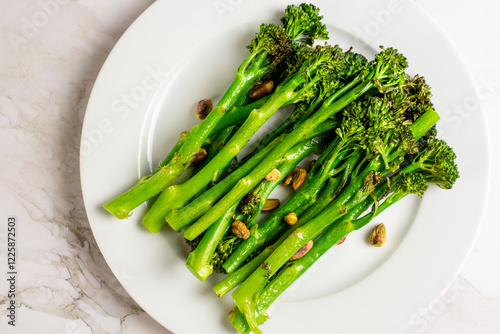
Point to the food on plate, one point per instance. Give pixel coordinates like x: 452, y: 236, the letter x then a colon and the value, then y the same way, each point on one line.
x: 365, y: 129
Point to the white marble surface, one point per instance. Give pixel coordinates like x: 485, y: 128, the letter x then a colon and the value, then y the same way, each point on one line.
x: 48, y: 63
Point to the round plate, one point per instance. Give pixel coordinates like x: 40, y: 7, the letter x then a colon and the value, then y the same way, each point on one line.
x: 172, y: 57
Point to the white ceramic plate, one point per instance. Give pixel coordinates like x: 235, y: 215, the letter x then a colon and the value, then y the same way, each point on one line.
x: 178, y: 52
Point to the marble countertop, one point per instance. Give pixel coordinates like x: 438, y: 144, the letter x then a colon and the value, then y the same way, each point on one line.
x: 50, y: 54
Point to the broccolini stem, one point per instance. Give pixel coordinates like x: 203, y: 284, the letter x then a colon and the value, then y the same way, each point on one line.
x: 424, y: 123
x: 235, y: 278
x: 246, y: 295
x: 301, y: 200
x: 290, y: 161
x: 219, y: 141
x: 233, y: 116
x: 194, y: 210
x: 199, y: 260
x: 238, y: 114
x: 175, y: 149
x: 290, y: 273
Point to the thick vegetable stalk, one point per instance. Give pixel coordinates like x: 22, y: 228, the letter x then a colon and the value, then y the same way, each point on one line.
x: 387, y: 72
x: 232, y: 117
x: 235, y: 278
x: 199, y: 260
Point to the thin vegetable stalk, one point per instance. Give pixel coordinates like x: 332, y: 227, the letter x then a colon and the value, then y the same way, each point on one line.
x: 303, y: 198
x: 354, y: 65
x: 247, y: 295
x: 239, y: 275
x: 284, y: 128
x: 282, y: 281
x: 232, y: 117
x: 218, y: 142
x: 178, y: 219
x: 268, y: 48
x: 199, y: 260
x: 332, y: 189
x: 235, y: 278
x: 294, y: 88
x: 242, y: 273
x: 360, y: 187
x: 253, y: 203
x: 387, y: 72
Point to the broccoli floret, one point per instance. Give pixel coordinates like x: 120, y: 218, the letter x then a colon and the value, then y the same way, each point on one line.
x: 304, y: 20
x: 224, y: 248
x: 436, y: 164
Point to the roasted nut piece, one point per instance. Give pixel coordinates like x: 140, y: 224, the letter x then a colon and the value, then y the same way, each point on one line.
x: 288, y: 179
x: 199, y: 157
x: 311, y: 164
x: 341, y: 241
x: 299, y: 178
x: 273, y: 175
x: 203, y: 108
x: 303, y: 251
x: 240, y: 230
x: 291, y: 218
x: 262, y: 90
x: 271, y: 204
x: 378, y: 236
